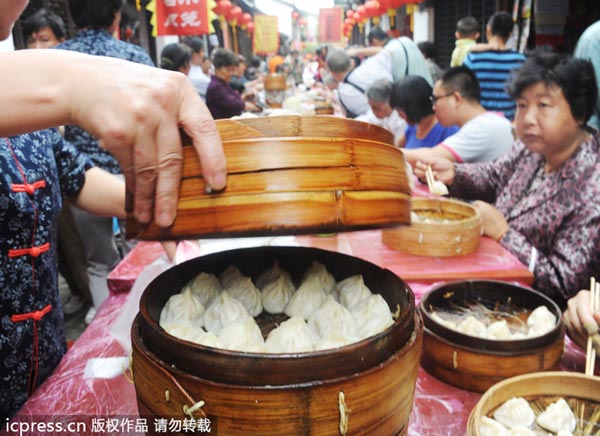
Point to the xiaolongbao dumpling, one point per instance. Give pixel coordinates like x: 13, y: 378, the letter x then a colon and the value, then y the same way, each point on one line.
x: 334, y: 340
x: 185, y: 330
x: 499, y: 331
x: 272, y: 274
x: 223, y: 311
x: 472, y: 326
x: 241, y: 335
x: 352, y: 291
x: 541, y: 321
x: 184, y: 306
x: 558, y: 416
x: 319, y: 271
x: 246, y: 293
x: 227, y: 277
x: 443, y: 321
x: 206, y: 287
x: 514, y: 412
x: 292, y: 336
x: 372, y: 316
x: 491, y: 427
x: 522, y: 431
x: 332, y: 317
x: 307, y: 299
x: 276, y: 294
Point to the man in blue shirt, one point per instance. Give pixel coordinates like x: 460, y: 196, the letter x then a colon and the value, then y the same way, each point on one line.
x: 97, y: 20
x: 493, y: 66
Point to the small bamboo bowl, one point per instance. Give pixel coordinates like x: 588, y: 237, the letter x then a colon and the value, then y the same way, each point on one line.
x: 474, y: 363
x: 288, y: 175
x: 528, y: 386
x: 459, y: 236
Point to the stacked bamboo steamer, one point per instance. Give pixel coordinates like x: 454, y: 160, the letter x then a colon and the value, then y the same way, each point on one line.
x: 292, y: 174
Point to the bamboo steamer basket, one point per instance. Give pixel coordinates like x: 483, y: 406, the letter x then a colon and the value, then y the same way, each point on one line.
x: 364, y: 388
x: 275, y: 86
x: 475, y: 363
x: 535, y: 385
x: 457, y: 237
x: 291, y: 174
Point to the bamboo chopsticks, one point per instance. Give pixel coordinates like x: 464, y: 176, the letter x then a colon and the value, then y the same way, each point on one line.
x: 593, y: 336
x: 436, y: 187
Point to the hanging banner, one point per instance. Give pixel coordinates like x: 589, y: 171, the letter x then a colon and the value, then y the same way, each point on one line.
x: 330, y: 24
x: 266, y: 34
x: 181, y: 17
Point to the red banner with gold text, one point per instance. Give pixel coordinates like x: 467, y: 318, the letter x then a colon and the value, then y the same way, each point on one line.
x: 181, y: 17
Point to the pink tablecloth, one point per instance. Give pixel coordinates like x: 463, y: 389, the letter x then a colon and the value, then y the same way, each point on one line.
x: 438, y: 409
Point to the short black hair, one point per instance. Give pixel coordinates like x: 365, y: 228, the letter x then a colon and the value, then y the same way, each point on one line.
x: 462, y: 80
x: 194, y: 42
x: 574, y: 76
x: 428, y: 49
x: 96, y: 14
x: 377, y: 33
x: 223, y: 57
x: 501, y: 24
x: 174, y: 56
x: 412, y: 95
x: 467, y: 27
x: 44, y: 18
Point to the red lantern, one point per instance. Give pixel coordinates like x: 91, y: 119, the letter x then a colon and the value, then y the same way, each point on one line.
x: 361, y: 12
x: 349, y: 22
x: 222, y: 8
x: 295, y: 15
x: 234, y: 14
x: 350, y: 13
x: 250, y: 27
x: 244, y: 19
x: 301, y: 21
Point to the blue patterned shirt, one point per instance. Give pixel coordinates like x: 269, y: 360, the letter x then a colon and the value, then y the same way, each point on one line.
x: 100, y: 43
x: 37, y: 171
x: 493, y: 69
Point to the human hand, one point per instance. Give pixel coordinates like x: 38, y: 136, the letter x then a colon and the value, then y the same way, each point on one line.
x: 443, y: 169
x: 579, y: 320
x: 136, y: 117
x: 493, y: 222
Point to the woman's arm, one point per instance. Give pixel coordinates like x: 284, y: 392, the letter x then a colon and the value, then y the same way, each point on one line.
x: 134, y: 110
x: 102, y: 194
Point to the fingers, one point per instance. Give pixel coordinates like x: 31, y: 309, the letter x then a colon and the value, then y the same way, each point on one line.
x: 145, y: 172
x: 199, y: 125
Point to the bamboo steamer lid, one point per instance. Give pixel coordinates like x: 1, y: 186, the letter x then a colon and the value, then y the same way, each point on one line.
x: 275, y: 82
x: 291, y: 175
x: 528, y: 386
x: 459, y: 236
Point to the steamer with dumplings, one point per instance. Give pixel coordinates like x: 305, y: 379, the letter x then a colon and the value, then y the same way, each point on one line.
x: 363, y: 388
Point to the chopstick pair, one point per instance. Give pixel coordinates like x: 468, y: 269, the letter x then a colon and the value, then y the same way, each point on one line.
x: 430, y: 179
x: 593, y: 335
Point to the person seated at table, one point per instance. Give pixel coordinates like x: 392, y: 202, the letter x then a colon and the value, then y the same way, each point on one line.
x: 39, y: 170
x: 221, y: 99
x: 540, y: 200
x: 380, y: 112
x: 579, y: 318
x: 176, y: 57
x: 411, y: 99
x: 482, y: 136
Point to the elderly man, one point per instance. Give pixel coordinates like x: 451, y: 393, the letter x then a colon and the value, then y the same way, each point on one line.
x: 483, y: 136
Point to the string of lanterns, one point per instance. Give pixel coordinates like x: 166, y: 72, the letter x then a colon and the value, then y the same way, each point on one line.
x: 373, y: 9
x: 233, y: 15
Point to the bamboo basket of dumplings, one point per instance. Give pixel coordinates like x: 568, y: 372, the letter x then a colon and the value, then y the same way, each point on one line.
x: 364, y: 388
x: 463, y: 353
x: 540, y: 390
x: 292, y: 174
x: 439, y: 227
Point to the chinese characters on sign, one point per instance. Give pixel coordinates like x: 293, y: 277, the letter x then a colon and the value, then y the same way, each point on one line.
x: 266, y: 35
x: 330, y: 24
x: 182, y: 17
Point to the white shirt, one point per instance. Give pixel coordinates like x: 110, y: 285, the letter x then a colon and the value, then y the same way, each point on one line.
x: 482, y: 139
x: 199, y: 80
x: 371, y: 69
x: 394, y: 123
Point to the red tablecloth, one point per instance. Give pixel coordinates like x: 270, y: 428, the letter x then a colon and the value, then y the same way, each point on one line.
x: 438, y: 409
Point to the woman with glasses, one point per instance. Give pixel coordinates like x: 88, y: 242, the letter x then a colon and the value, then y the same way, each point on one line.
x: 411, y: 98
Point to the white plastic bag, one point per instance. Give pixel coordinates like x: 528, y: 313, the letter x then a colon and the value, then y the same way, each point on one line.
x: 120, y: 329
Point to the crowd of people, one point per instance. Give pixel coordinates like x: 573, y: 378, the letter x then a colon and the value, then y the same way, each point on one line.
x: 515, y: 134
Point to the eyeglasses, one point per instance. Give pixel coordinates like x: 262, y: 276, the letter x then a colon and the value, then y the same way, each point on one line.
x: 434, y: 99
